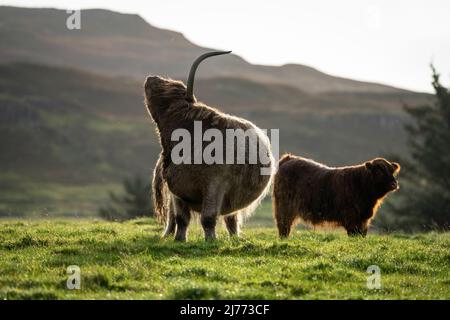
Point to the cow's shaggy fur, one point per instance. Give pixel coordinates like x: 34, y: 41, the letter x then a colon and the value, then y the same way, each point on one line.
x: 210, y: 190
x: 317, y: 194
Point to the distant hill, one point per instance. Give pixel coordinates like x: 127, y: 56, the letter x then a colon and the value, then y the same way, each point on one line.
x: 62, y: 128
x: 124, y: 44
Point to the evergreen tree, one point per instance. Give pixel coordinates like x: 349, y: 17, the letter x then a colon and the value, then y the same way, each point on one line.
x: 426, y: 198
x: 136, y: 202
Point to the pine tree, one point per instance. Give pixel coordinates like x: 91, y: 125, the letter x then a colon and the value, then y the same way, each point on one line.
x: 135, y: 202
x: 426, y: 198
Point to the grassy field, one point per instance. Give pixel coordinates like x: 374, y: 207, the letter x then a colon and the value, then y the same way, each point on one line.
x: 51, y: 200
x: 130, y: 261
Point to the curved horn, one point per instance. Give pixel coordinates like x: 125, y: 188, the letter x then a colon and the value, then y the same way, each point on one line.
x: 190, y: 82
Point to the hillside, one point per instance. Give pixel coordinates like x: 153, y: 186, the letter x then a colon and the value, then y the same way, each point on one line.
x: 130, y: 261
x: 124, y: 44
x: 77, y: 134
x: 62, y: 106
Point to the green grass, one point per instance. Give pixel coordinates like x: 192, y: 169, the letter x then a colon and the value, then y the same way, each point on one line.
x: 130, y: 261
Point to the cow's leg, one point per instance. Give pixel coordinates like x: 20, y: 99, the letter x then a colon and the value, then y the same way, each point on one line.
x: 357, y: 230
x: 182, y: 219
x: 232, y: 224
x: 211, y: 207
x: 171, y: 221
x: 284, y: 218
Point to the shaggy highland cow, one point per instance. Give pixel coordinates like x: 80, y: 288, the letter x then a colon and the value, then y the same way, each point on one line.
x: 180, y: 189
x: 319, y: 195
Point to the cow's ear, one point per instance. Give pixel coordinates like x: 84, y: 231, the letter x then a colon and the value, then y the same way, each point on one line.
x: 396, y: 166
x: 369, y: 165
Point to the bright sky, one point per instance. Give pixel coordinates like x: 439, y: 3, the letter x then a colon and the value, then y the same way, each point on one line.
x: 391, y: 42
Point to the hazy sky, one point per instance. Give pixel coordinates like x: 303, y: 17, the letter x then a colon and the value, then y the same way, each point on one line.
x: 391, y: 42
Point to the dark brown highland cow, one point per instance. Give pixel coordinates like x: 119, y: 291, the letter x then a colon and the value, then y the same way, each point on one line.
x: 208, y: 189
x: 319, y: 195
